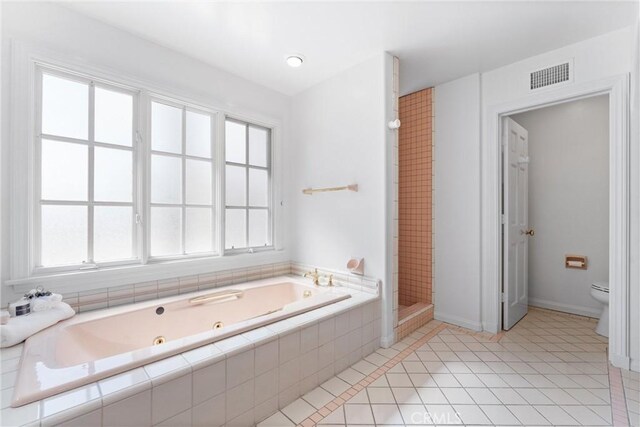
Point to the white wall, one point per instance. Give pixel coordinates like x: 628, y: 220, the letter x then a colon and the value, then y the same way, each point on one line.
x: 608, y: 55
x: 457, y: 202
x: 635, y: 203
x: 568, y: 202
x: 338, y: 138
x: 594, y: 59
x: 87, y: 41
x: 340, y: 134
x: 605, y: 56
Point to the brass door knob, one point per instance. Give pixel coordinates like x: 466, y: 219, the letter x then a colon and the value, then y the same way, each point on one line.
x: 529, y: 232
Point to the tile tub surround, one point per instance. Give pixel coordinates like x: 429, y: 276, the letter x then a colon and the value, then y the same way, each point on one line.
x: 145, y: 291
x: 238, y: 381
x: 92, y: 346
x: 156, y: 289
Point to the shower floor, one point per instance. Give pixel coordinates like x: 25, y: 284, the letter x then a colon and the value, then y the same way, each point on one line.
x: 405, y: 311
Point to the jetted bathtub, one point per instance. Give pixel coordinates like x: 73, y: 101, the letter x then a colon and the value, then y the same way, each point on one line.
x: 96, y: 345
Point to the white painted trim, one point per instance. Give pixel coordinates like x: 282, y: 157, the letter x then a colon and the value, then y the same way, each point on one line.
x: 24, y: 57
x: 617, y: 88
x: 386, y: 290
x: 458, y: 321
x: 386, y: 342
x: 79, y: 281
x: 566, y: 308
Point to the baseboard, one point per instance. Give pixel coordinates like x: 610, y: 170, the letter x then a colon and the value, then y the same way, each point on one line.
x: 620, y: 361
x: 386, y: 342
x: 454, y: 320
x: 635, y: 365
x: 566, y: 308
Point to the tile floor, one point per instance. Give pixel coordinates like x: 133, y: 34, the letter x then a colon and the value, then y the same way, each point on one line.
x: 631, y: 381
x: 550, y: 369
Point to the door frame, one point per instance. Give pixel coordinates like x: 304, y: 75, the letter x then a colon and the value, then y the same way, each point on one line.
x: 617, y: 88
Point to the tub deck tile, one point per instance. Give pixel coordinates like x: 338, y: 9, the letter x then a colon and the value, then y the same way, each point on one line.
x: 124, y: 385
x: 71, y: 404
x: 167, y: 369
x: 204, y: 356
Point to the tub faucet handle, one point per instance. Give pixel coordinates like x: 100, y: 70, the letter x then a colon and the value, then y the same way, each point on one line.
x: 314, y: 275
x: 330, y: 282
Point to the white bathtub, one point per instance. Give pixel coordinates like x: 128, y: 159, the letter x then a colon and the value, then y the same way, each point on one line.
x: 95, y: 345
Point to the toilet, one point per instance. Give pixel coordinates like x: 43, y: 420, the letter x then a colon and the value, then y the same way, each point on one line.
x: 600, y: 292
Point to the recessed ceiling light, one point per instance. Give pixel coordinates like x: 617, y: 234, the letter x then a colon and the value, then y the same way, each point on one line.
x: 295, y: 61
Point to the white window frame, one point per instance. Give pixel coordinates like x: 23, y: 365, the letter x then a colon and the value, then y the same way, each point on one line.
x: 21, y: 276
x: 91, y: 144
x: 215, y: 164
x: 247, y: 207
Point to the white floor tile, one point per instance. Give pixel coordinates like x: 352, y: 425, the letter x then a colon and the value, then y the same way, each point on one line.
x: 387, y: 414
x: 584, y: 415
x: 399, y: 380
x: 527, y: 415
x: 499, y: 415
x: 436, y: 367
x: 351, y: 376
x: 422, y: 380
x: 556, y: 415
x: 380, y: 382
x: 414, y: 367
x: 298, y: 410
x: 358, y: 414
x: 585, y: 397
x: 547, y: 360
x: 443, y: 414
x: 360, y: 397
x: 336, y: 417
x: 445, y: 380
x: 468, y: 380
x: 603, y: 411
x: 559, y: 396
x: 534, y: 396
x: 457, y: 396
x: 380, y: 395
x: 336, y: 386
x: 492, y: 380
x: 365, y: 367
x: 318, y: 397
x: 432, y: 396
x: 415, y: 414
x: 276, y: 420
x: 471, y: 414
x: 406, y: 395
x: 508, y: 396
x: 483, y: 396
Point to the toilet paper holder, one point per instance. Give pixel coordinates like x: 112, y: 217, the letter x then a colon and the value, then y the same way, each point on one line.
x: 575, y: 261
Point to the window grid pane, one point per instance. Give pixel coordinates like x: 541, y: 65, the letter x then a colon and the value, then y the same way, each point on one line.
x: 247, y: 185
x: 98, y: 122
x: 191, y: 183
x: 76, y: 172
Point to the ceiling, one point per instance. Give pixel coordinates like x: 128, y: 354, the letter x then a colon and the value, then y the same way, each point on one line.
x: 435, y: 41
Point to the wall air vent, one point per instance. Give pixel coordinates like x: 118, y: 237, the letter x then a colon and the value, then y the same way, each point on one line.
x: 550, y: 76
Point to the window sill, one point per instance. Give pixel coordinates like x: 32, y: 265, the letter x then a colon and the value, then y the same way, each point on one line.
x: 78, y: 281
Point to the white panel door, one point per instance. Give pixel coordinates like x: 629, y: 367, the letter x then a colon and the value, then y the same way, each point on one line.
x: 516, y: 230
